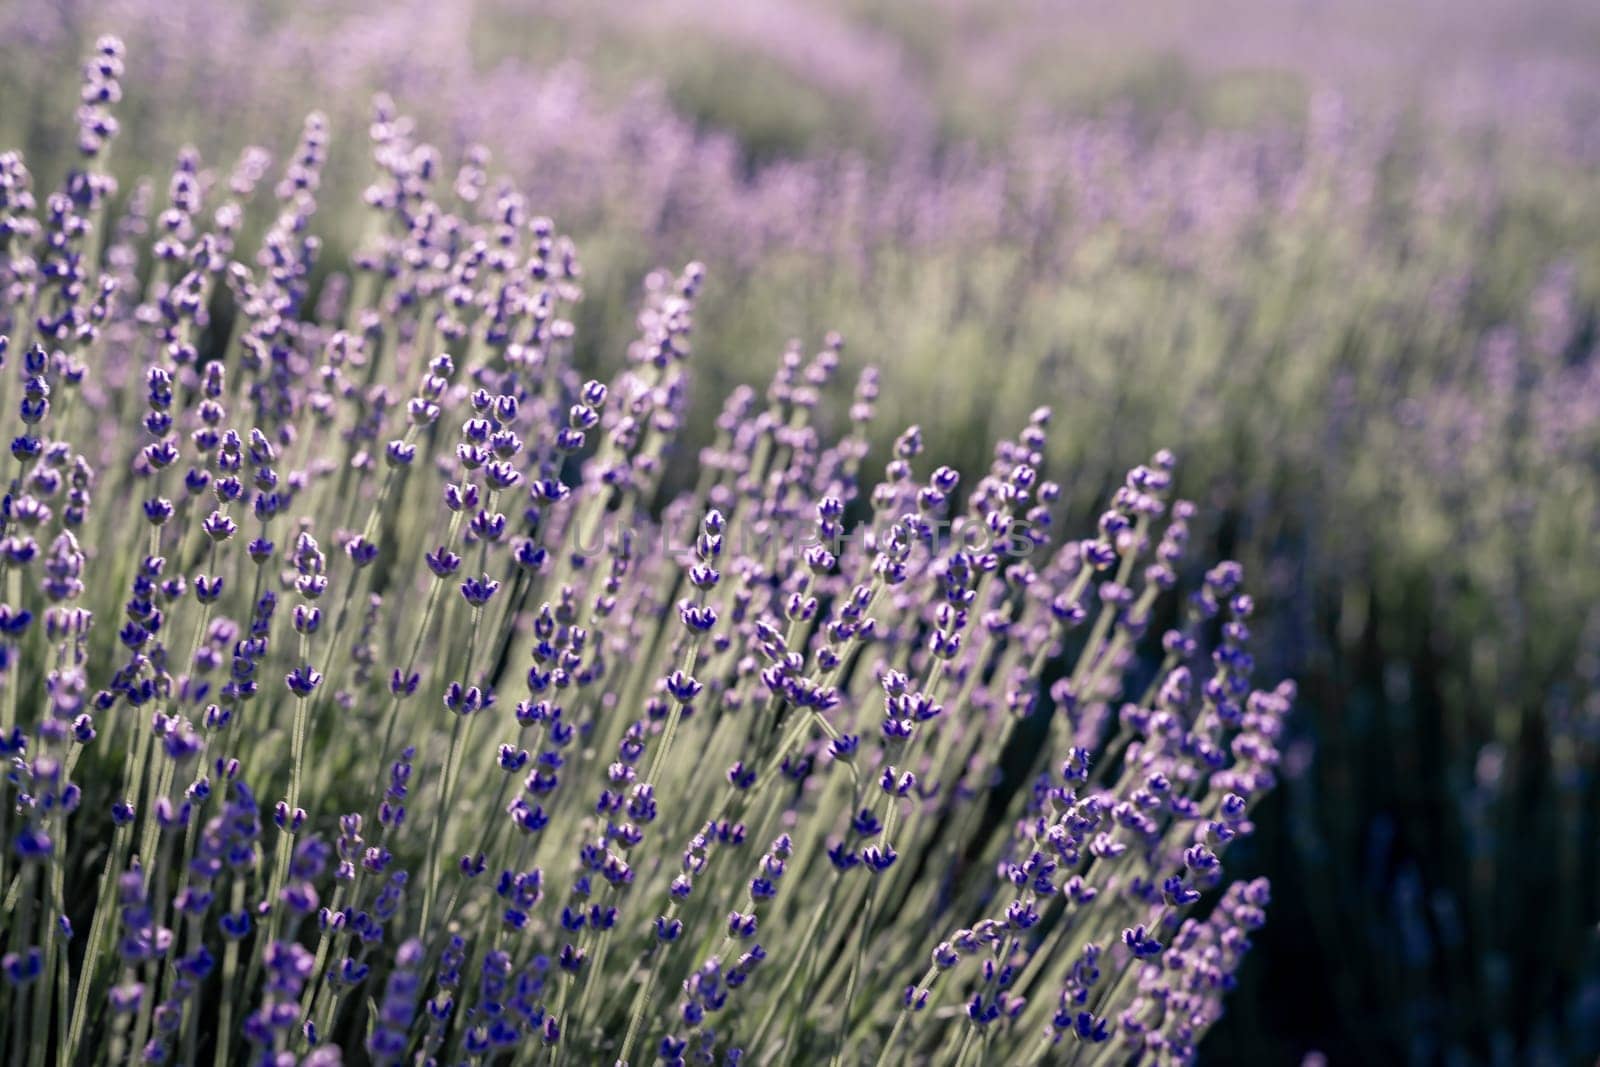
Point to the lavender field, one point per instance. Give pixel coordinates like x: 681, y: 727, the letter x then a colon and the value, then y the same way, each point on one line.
x: 860, y: 532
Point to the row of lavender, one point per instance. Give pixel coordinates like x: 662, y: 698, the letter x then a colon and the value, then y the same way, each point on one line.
x: 1372, y: 341
x: 354, y: 700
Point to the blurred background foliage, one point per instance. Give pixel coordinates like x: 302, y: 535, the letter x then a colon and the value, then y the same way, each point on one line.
x: 1343, y: 257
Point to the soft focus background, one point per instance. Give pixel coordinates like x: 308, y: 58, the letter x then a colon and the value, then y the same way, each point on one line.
x: 1343, y: 257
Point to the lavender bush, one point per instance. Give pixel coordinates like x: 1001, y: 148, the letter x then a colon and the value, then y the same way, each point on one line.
x: 368, y: 693
x: 1342, y: 257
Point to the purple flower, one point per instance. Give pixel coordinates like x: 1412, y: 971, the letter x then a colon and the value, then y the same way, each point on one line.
x: 478, y: 591
x: 303, y: 680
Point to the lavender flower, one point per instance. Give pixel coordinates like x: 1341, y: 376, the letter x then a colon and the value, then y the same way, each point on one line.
x: 541, y: 814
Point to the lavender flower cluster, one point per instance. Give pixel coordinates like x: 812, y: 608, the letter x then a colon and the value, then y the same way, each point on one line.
x: 325, y: 741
